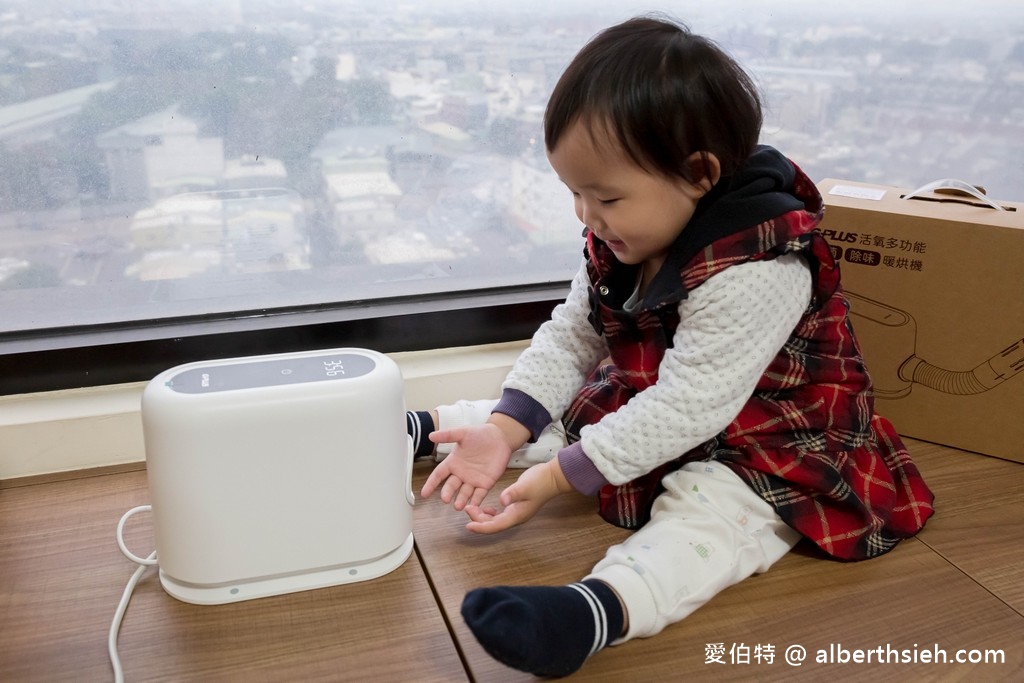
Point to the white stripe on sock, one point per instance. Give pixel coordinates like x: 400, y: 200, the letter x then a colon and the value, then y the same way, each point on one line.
x: 600, y: 618
x: 413, y: 422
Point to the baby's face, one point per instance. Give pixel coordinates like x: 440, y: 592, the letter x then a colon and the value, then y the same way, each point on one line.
x: 636, y: 213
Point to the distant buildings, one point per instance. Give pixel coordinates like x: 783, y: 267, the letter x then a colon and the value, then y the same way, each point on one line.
x: 232, y: 232
x: 160, y: 155
x: 454, y: 166
x: 204, y: 212
x: 45, y: 118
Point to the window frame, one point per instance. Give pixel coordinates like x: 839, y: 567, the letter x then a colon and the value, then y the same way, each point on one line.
x: 118, y: 353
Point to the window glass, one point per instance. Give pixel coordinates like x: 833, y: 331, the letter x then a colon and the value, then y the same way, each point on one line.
x: 200, y: 157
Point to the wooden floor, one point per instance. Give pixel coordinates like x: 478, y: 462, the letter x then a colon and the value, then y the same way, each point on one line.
x: 958, y: 586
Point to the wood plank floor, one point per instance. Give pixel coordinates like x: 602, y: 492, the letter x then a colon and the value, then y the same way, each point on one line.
x: 62, y: 574
x: 957, y: 586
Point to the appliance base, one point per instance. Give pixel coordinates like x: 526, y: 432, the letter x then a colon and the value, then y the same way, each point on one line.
x: 261, y: 588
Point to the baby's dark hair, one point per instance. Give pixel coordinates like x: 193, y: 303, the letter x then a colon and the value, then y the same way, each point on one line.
x: 663, y: 92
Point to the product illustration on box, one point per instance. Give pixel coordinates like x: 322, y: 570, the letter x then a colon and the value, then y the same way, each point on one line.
x: 896, y: 368
x: 934, y: 283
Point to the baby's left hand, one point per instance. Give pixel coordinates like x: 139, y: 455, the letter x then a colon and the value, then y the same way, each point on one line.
x: 535, y: 487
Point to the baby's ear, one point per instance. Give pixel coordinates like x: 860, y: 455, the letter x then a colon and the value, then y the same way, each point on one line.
x: 705, y: 170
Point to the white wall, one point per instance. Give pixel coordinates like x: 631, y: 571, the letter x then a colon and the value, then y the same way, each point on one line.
x: 62, y: 431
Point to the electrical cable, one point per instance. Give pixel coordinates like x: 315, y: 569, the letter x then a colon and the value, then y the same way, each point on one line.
x: 122, y: 607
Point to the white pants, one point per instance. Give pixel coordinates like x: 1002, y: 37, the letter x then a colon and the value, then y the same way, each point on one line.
x: 708, y: 531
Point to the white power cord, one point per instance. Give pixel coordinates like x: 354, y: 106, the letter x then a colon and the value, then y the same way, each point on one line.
x: 144, y: 563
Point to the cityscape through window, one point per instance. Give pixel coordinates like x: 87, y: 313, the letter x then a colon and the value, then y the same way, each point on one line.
x: 183, y: 158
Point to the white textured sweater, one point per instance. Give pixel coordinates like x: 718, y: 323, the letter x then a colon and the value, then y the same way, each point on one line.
x: 730, y: 328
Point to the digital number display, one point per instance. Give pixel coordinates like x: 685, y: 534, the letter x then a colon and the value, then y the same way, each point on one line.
x: 334, y: 368
x: 271, y: 372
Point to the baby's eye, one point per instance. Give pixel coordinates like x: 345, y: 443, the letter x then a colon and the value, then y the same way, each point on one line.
x: 608, y: 201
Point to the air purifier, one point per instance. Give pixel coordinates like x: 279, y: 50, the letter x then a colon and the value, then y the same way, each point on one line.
x: 279, y: 473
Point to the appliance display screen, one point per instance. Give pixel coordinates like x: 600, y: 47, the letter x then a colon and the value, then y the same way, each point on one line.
x: 271, y: 372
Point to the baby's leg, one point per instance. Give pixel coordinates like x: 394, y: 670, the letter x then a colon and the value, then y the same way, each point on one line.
x: 463, y: 413
x: 708, y: 531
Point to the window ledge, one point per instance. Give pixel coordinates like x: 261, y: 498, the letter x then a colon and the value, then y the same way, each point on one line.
x: 64, y: 431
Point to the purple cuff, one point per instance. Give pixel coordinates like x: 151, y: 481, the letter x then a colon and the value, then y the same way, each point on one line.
x: 522, y: 408
x: 579, y: 470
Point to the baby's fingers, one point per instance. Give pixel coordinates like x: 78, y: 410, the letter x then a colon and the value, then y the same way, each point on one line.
x: 436, y: 477
x: 485, y: 520
x: 467, y: 493
x: 447, y: 435
x: 479, y: 514
x: 478, y: 497
x: 511, y: 494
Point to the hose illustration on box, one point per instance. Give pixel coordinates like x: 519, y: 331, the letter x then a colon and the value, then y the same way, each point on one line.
x: 895, y: 367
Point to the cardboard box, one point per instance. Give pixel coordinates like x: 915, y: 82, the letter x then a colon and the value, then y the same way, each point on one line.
x: 936, y: 290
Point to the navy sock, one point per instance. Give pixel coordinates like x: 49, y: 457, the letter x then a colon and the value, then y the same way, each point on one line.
x: 546, y: 631
x: 419, y: 424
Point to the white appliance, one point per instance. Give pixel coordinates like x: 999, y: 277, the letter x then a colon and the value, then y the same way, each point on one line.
x: 275, y: 474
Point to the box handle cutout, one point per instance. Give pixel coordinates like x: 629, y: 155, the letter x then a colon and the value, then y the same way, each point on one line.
x: 954, y: 187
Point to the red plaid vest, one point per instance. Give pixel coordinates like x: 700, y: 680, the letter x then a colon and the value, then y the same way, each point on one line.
x: 808, y: 441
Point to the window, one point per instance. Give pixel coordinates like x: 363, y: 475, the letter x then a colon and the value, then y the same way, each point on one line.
x: 174, y: 171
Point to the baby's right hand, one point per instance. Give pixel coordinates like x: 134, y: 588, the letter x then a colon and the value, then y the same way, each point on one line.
x: 479, y: 458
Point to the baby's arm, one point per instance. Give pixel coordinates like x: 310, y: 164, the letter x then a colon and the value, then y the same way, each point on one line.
x: 540, y: 385
x: 562, y: 353
x: 732, y: 327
